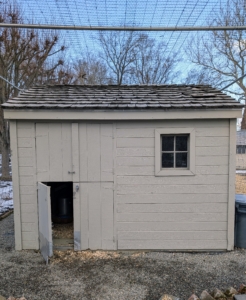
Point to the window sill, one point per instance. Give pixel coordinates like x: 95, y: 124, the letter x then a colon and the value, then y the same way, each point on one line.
x: 171, y: 172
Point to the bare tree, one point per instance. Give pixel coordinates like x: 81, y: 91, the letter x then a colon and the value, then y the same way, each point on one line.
x: 198, y: 76
x: 23, y: 61
x: 151, y: 64
x: 91, y: 70
x: 119, y: 52
x: 221, y: 55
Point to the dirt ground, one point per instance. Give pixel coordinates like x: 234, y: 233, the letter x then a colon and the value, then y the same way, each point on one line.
x: 104, y: 275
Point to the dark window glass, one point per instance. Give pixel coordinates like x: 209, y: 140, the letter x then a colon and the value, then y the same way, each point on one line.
x: 181, y: 143
x: 167, y: 160
x: 167, y: 143
x: 181, y: 160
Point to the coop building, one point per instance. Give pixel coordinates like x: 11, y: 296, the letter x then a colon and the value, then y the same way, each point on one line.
x: 132, y: 167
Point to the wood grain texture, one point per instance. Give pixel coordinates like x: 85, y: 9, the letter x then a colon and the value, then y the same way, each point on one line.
x: 106, y: 149
x: 231, y: 185
x: 171, y: 244
x: 16, y: 191
x: 94, y: 155
x: 172, y: 198
x: 172, y: 208
x: 172, y: 235
x: 172, y: 226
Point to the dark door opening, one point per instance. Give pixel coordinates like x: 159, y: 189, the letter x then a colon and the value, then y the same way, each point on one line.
x: 61, y: 197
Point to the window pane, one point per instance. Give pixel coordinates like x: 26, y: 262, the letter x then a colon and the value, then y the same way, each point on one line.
x: 167, y: 160
x: 167, y: 143
x: 181, y: 142
x: 181, y: 160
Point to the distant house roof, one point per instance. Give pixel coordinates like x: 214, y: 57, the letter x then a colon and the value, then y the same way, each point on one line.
x: 122, y: 97
x: 241, y: 137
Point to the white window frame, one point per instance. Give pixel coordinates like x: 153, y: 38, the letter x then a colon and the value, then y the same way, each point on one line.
x: 159, y: 171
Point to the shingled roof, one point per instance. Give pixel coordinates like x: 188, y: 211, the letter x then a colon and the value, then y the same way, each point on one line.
x: 122, y: 97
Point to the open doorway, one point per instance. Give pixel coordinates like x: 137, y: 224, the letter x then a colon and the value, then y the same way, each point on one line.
x: 61, y: 198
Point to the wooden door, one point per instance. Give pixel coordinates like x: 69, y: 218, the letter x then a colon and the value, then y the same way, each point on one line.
x: 44, y: 216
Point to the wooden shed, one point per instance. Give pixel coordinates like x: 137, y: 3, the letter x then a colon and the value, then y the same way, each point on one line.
x: 146, y: 167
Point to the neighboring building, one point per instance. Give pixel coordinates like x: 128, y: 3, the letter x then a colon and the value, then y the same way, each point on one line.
x: 241, y: 150
x: 148, y: 167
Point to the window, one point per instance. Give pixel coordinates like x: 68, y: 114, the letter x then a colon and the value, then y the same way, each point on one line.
x: 174, y: 151
x: 241, y: 149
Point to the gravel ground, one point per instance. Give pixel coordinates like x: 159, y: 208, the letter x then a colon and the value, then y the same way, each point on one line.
x: 113, y: 275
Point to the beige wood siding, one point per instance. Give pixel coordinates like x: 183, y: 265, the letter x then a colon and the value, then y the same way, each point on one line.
x: 96, y: 160
x: 96, y: 152
x: 178, y: 212
x: 27, y: 184
x: 54, y: 151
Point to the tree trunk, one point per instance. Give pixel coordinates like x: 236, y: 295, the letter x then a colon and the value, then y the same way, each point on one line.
x: 5, y: 161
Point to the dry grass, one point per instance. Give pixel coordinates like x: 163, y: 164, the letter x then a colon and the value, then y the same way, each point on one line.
x: 240, y: 184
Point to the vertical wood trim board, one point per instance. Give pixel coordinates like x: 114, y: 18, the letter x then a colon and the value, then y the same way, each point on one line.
x: 84, y: 215
x: 35, y: 184
x: 77, y: 216
x: 115, y: 199
x: 83, y: 152
x: 75, y: 151
x: 231, y: 185
x: 16, y: 188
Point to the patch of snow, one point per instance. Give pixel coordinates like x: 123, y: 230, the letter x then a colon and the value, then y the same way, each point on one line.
x: 6, y: 196
x: 240, y: 171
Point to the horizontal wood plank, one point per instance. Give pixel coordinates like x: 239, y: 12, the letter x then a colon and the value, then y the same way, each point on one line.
x: 140, y: 170
x: 135, y: 161
x: 25, y: 152
x: 172, y: 235
x: 212, y: 170
x: 29, y: 218
x: 25, y: 171
x: 172, y: 244
x: 24, y: 142
x: 30, y: 245
x: 29, y: 236
x: 26, y: 190
x: 198, y: 179
x: 26, y: 161
x: 222, y: 160
x: 31, y: 198
x: 171, y: 217
x: 172, y: 198
x: 149, y: 132
x: 172, y: 123
x: 172, y: 208
x: 25, y: 132
x: 212, y: 141
x: 171, y: 226
x: 140, y: 152
x: 27, y: 180
x: 171, y: 189
x: 28, y: 208
x: 28, y: 227
x: 135, y: 142
x: 212, y: 151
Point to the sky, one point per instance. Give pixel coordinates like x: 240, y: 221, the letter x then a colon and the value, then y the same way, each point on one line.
x: 119, y: 13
